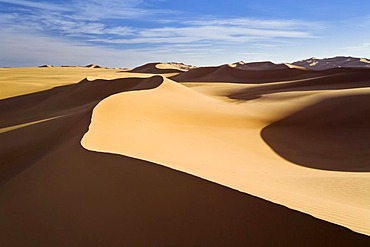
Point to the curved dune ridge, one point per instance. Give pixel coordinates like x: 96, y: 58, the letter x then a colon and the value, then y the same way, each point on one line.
x: 136, y: 159
x: 220, y: 141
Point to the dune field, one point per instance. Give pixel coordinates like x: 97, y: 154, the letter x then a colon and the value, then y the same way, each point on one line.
x: 168, y: 154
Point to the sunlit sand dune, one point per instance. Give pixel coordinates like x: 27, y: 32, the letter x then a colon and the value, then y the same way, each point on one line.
x: 221, y: 142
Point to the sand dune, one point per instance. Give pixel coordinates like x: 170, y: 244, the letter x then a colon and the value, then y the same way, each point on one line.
x: 343, y: 79
x: 46, y: 66
x: 137, y: 159
x: 259, y: 66
x: 94, y: 66
x: 162, y: 68
x: 177, y: 127
x: 335, y: 62
x: 227, y: 73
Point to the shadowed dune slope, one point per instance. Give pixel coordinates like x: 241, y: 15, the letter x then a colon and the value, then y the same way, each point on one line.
x: 61, y: 100
x: 333, y: 134
x: 226, y: 73
x: 68, y: 196
x: 58, y: 102
x: 355, y: 78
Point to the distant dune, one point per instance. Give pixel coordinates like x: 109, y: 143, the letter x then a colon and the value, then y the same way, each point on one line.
x: 259, y: 66
x: 167, y: 154
x: 243, y: 74
x: 335, y: 62
x: 46, y: 66
x: 93, y: 66
x: 334, y: 79
x: 162, y: 68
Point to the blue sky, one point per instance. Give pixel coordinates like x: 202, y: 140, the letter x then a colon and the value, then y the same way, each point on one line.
x: 128, y: 33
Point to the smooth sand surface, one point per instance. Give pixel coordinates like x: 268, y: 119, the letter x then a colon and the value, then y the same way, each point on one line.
x: 230, y: 143
x: 53, y: 191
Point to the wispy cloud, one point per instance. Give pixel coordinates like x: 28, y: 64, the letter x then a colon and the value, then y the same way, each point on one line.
x: 220, y: 30
x: 37, y: 5
x: 361, y: 47
x: 217, y: 31
x: 286, y: 24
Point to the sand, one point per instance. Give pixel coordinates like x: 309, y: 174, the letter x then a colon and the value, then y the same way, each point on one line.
x: 18, y: 81
x: 138, y: 159
x: 334, y: 62
x: 364, y: 60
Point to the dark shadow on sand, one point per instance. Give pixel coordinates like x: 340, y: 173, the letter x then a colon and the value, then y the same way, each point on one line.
x: 349, y: 78
x: 228, y: 74
x: 333, y: 134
